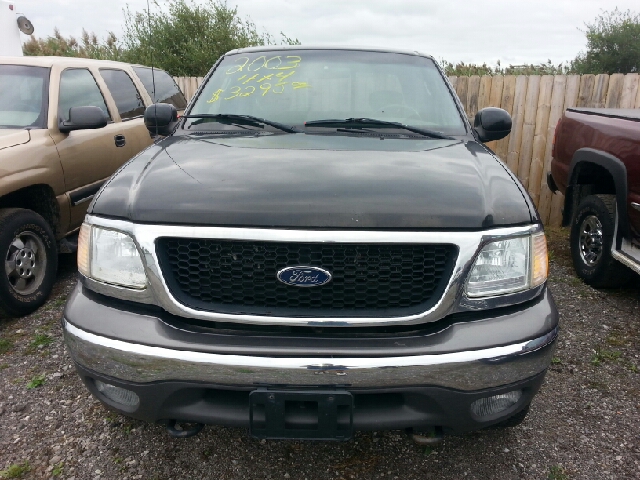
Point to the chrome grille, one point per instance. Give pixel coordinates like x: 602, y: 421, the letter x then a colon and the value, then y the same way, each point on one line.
x: 231, y: 276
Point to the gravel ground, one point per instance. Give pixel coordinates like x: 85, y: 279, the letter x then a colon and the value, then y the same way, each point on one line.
x: 584, y: 423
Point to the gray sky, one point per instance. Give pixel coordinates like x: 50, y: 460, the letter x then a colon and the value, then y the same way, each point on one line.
x: 512, y: 31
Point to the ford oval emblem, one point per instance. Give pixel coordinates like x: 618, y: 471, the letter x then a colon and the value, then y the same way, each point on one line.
x: 304, y: 276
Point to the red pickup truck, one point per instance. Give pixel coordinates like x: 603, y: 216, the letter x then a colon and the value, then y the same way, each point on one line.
x: 596, y: 164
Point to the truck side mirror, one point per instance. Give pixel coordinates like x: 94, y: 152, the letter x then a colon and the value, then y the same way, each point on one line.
x: 161, y: 118
x: 83, y: 118
x: 492, y: 123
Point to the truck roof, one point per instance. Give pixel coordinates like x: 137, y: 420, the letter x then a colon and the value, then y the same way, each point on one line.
x: 268, y: 48
x: 632, y: 114
x: 64, y: 61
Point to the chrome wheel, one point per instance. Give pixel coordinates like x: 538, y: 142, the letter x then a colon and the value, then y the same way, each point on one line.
x: 590, y: 241
x: 25, y: 263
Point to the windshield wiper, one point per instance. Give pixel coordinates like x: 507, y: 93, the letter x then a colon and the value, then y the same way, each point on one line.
x: 359, y: 123
x: 232, y: 118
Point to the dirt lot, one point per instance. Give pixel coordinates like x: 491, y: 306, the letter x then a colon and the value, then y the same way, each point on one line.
x: 585, y: 423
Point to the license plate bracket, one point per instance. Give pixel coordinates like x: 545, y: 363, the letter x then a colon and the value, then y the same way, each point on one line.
x: 301, y: 415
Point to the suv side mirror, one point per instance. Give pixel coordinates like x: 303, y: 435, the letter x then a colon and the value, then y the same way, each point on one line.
x: 161, y: 118
x: 492, y: 123
x: 83, y: 118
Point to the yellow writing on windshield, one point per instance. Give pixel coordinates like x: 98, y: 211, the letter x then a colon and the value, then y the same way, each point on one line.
x: 216, y: 96
x: 242, y: 64
x: 249, y: 82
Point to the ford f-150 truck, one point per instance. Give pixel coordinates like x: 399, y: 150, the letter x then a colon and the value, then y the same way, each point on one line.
x: 321, y: 244
x: 596, y: 164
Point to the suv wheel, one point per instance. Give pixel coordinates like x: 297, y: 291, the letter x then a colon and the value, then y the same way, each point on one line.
x: 30, y: 261
x: 591, y: 239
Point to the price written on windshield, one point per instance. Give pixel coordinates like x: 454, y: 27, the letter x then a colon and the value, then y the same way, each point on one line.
x: 264, y: 82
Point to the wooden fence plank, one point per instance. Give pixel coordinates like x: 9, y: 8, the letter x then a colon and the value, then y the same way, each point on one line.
x: 528, y: 129
x: 638, y: 99
x: 572, y: 91
x: 517, y: 120
x: 599, y: 95
x: 472, y: 95
x: 462, y: 88
x: 495, y: 98
x: 453, y: 81
x: 614, y: 92
x: 540, y: 137
x: 193, y: 86
x: 629, y: 90
x: 586, y: 90
x: 555, y: 113
x: 506, y: 103
x: 484, y: 94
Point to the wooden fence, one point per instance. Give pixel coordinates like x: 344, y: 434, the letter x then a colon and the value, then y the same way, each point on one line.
x: 535, y: 103
x: 188, y: 85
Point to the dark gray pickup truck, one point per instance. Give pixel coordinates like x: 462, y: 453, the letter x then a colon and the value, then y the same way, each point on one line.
x: 321, y: 244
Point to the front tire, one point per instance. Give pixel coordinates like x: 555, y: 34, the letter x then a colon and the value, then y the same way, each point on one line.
x: 592, y: 232
x: 30, y: 256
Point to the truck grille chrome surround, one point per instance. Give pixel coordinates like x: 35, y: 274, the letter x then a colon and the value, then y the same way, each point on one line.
x: 366, y: 279
x: 468, y: 244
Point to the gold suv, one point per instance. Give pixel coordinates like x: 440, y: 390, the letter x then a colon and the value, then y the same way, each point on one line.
x: 66, y: 124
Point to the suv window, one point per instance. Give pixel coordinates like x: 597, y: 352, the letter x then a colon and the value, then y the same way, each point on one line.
x: 78, y: 88
x: 23, y: 96
x: 124, y: 93
x: 166, y: 89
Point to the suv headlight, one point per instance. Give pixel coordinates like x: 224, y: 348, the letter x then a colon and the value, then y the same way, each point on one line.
x: 110, y: 256
x: 507, y: 266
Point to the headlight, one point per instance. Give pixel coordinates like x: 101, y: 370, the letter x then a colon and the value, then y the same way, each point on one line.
x: 110, y: 256
x: 506, y: 266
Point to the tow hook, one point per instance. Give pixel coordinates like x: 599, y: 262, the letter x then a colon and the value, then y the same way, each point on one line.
x: 427, y: 439
x: 195, y: 429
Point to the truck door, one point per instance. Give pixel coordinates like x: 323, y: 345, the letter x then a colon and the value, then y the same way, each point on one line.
x: 88, y: 157
x: 134, y: 135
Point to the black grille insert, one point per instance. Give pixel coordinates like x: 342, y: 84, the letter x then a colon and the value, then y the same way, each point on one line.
x: 230, y: 276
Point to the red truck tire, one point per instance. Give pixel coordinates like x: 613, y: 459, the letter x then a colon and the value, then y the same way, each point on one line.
x: 592, y: 232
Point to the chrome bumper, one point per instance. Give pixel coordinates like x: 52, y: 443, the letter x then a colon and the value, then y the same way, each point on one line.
x: 465, y: 370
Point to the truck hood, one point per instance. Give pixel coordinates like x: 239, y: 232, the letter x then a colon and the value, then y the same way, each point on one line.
x: 315, y: 181
x: 11, y: 137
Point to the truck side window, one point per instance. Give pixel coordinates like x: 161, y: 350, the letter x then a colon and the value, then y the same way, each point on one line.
x: 124, y: 93
x: 166, y: 89
x: 78, y: 88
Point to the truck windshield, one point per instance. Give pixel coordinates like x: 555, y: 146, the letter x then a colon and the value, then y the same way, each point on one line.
x: 23, y: 96
x: 297, y: 86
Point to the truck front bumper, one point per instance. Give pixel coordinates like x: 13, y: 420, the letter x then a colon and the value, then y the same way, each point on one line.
x: 176, y: 376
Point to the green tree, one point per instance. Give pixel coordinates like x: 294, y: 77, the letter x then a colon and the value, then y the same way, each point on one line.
x: 613, y: 44
x: 188, y: 37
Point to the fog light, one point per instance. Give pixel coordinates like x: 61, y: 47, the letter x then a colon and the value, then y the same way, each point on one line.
x: 118, y: 395
x: 488, y: 406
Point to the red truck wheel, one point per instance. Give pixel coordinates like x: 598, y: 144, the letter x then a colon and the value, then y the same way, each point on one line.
x: 591, y: 239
